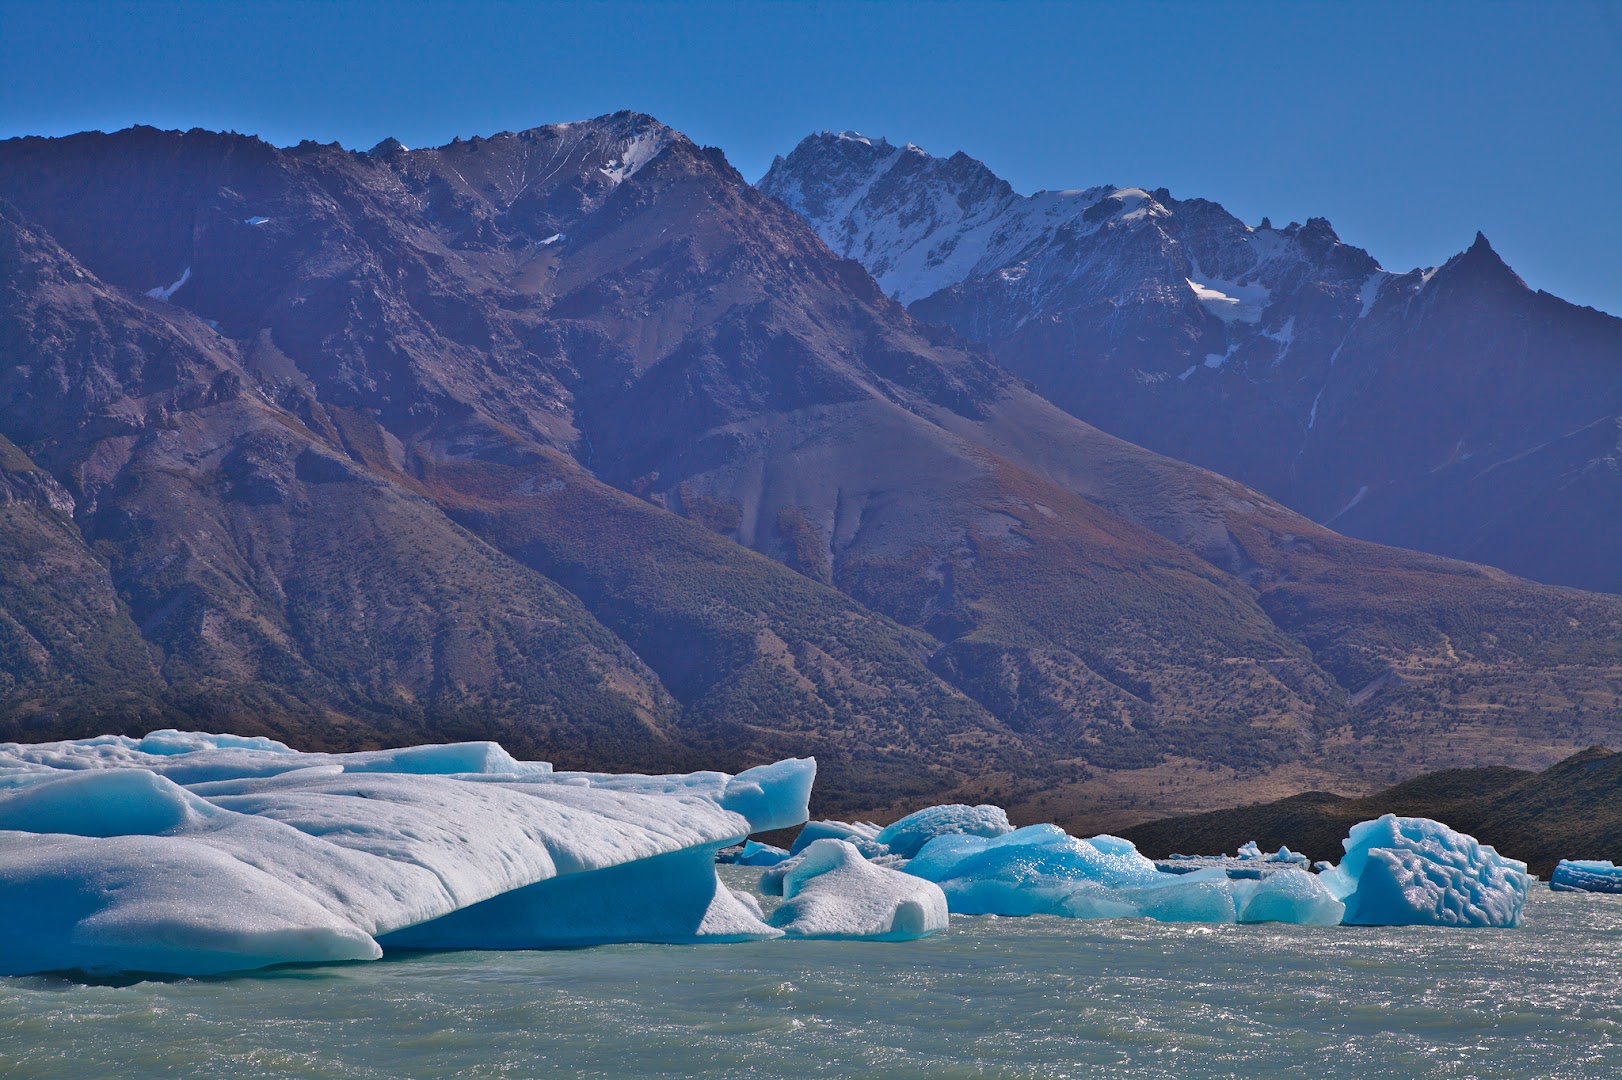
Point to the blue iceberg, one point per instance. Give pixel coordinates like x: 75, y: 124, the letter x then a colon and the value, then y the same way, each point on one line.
x: 907, y: 836
x: 1586, y: 875
x: 1042, y: 870
x: 1417, y: 872
x: 752, y: 853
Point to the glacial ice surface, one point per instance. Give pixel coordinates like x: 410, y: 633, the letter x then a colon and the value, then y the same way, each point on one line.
x: 1417, y: 872
x: 831, y: 891
x: 188, y: 853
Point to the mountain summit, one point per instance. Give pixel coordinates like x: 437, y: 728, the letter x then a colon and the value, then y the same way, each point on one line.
x: 1450, y: 409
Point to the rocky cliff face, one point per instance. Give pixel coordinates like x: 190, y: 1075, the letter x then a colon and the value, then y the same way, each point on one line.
x: 1451, y: 409
x: 572, y: 438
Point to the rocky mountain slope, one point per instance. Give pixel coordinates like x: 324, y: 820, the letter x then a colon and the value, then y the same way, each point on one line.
x: 571, y: 438
x: 1451, y: 409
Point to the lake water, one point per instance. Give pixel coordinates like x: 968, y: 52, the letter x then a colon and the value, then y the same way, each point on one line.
x: 1040, y: 997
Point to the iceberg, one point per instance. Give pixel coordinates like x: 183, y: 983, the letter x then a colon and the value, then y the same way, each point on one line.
x: 1416, y: 872
x: 907, y: 836
x: 1290, y: 895
x: 1586, y: 875
x: 752, y: 854
x: 1285, y: 855
x: 188, y: 853
x: 903, y: 839
x: 669, y: 899
x: 861, y: 833
x: 1042, y: 870
x: 832, y: 891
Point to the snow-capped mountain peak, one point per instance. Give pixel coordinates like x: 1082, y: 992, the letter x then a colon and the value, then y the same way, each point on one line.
x: 1279, y: 355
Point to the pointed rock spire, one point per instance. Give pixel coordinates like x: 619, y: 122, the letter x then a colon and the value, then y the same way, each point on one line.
x: 1481, y: 263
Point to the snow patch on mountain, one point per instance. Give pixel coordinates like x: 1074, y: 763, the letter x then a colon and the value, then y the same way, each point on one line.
x: 162, y: 293
x: 1370, y: 292
x: 1284, y: 335
x: 1230, y: 301
x: 921, y: 224
x: 636, y: 153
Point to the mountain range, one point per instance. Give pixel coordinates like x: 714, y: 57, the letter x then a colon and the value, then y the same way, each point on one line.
x: 574, y: 439
x: 1451, y: 409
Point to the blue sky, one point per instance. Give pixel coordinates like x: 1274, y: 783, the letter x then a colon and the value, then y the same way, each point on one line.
x: 1409, y: 126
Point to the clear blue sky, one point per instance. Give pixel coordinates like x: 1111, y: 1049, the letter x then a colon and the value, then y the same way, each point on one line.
x: 1409, y: 126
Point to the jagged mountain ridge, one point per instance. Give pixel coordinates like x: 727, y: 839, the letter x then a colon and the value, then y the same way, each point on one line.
x: 1449, y: 409
x: 591, y: 363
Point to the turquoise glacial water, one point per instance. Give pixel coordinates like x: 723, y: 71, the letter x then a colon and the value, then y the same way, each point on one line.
x: 1039, y: 997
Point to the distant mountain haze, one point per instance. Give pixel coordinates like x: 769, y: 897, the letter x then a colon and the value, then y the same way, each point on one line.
x: 1450, y: 409
x: 572, y: 438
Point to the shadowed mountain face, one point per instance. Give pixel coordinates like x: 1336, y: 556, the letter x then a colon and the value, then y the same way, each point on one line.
x: 1452, y: 410
x: 572, y: 438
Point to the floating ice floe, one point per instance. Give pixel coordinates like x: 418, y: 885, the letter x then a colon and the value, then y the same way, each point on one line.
x: 1413, y: 871
x: 189, y: 854
x: 1586, y: 875
x: 831, y: 891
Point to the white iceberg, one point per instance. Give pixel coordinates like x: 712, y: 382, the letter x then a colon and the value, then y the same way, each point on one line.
x: 190, y: 854
x: 1416, y: 872
x: 833, y: 892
